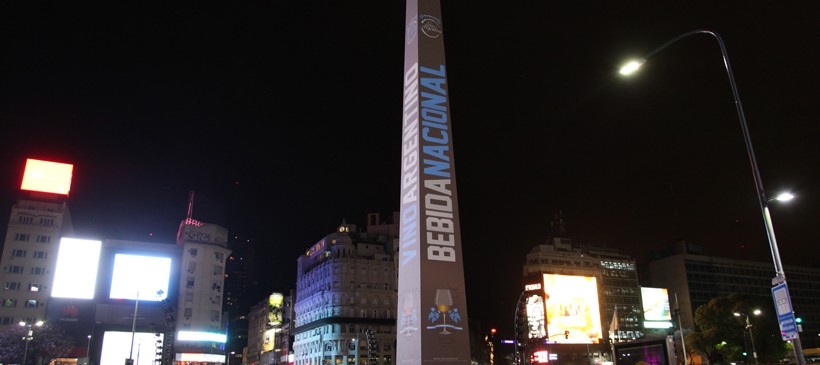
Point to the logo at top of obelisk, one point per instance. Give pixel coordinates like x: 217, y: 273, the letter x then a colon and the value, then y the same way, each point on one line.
x: 412, y: 30
x: 430, y: 25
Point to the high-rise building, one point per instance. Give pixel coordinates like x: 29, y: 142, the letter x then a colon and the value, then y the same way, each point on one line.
x: 239, y: 289
x: 345, y: 307
x: 37, y: 222
x: 615, y: 272
x: 697, y: 278
x: 199, y: 309
x: 609, y: 287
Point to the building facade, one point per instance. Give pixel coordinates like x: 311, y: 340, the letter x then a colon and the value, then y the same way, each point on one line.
x: 199, y: 309
x: 32, y: 240
x: 696, y: 278
x: 345, y: 307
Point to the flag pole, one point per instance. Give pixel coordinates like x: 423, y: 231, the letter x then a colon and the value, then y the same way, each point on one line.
x: 680, y: 328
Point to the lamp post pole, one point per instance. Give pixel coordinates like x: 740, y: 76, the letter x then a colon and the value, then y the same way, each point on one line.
x: 29, y: 336
x: 751, y: 339
x: 88, y: 351
x: 761, y: 195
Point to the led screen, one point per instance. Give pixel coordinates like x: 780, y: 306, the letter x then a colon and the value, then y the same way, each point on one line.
x: 143, y: 276
x: 75, y: 275
x: 117, y: 347
x: 573, y: 313
x: 655, y: 304
x: 535, y: 317
x: 47, y: 177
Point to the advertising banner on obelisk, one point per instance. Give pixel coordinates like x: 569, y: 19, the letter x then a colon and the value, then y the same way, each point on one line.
x: 432, y: 304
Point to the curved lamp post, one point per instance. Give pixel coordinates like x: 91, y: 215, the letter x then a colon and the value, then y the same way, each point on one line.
x: 780, y: 276
x: 749, y: 328
x: 29, y: 336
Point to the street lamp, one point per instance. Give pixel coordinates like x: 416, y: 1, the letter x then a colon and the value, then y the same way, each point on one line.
x: 780, y: 276
x: 29, y: 336
x: 749, y: 328
x: 88, y: 351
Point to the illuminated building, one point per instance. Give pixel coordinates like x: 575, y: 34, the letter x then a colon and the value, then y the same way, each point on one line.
x: 615, y: 285
x: 616, y: 274
x: 37, y: 221
x: 697, y: 278
x: 201, y: 280
x: 346, y: 297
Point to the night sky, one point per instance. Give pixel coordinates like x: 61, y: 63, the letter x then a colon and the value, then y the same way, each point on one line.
x: 285, y: 119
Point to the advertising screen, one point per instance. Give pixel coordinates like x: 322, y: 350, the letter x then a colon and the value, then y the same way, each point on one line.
x: 535, y: 317
x: 573, y: 313
x: 117, y: 347
x: 47, y: 177
x: 75, y: 275
x: 655, y: 304
x: 143, y: 276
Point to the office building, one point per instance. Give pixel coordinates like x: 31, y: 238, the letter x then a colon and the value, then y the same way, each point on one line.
x: 697, y: 278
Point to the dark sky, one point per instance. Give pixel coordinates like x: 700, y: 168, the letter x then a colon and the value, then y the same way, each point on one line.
x: 285, y: 118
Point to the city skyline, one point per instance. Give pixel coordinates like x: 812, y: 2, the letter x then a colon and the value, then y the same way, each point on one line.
x: 285, y: 120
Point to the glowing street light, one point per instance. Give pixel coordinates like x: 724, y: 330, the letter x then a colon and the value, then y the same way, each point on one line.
x: 29, y: 336
x: 780, y: 276
x: 749, y: 328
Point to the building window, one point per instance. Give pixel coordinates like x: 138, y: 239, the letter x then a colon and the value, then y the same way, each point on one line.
x: 25, y: 219
x: 40, y: 254
x: 38, y: 271
x: 192, y: 252
x: 48, y: 222
x: 16, y: 269
x: 9, y: 302
x: 21, y: 237
x: 190, y: 283
x: 34, y: 287
x: 188, y: 312
x: 191, y: 266
x: 215, y: 316
x: 43, y: 239
x: 31, y: 303
x: 219, y: 256
x: 6, y: 320
x: 18, y: 253
x: 10, y: 285
x: 217, y: 270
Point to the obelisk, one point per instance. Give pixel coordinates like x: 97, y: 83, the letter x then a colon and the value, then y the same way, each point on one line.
x: 432, y: 303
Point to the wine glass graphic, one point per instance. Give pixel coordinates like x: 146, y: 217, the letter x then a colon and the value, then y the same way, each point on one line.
x: 444, y: 300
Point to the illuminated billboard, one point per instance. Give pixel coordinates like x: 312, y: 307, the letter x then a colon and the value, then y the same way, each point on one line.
x: 535, y: 317
x: 573, y: 313
x: 138, y: 275
x: 75, y: 275
x: 117, y: 347
x: 47, y: 177
x: 656, y: 310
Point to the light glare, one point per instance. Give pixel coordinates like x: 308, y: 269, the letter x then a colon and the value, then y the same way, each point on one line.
x: 75, y: 275
x: 784, y: 197
x: 631, y: 66
x: 140, y: 275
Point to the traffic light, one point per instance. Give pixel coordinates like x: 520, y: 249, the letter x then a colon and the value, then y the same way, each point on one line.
x: 492, y: 331
x: 798, y: 320
x: 566, y: 334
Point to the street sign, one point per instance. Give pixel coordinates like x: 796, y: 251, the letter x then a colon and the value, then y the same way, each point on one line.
x: 785, y: 313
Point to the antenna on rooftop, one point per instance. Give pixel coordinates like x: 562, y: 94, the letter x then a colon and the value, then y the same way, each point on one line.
x: 190, y: 205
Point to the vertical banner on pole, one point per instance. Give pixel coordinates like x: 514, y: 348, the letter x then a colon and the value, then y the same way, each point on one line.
x: 432, y: 303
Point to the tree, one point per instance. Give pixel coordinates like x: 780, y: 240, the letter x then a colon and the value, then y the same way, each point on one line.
x: 722, y: 336
x: 48, y: 342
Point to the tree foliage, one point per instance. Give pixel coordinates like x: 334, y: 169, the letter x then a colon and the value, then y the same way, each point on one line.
x: 48, y: 342
x: 722, y: 336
